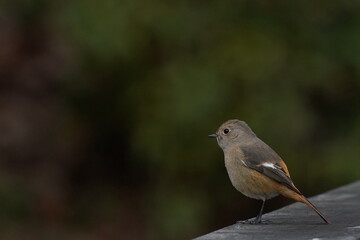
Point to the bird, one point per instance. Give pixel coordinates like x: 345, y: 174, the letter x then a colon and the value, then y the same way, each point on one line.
x: 254, y: 168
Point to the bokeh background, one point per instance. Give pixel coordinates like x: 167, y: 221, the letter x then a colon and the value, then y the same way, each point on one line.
x: 105, y: 108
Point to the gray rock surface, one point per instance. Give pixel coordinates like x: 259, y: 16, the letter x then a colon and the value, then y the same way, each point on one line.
x: 340, y: 206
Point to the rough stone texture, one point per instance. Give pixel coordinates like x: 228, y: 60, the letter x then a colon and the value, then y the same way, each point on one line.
x: 296, y: 221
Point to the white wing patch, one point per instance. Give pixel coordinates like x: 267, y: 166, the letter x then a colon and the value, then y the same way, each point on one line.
x: 273, y: 166
x: 269, y: 165
x: 244, y: 163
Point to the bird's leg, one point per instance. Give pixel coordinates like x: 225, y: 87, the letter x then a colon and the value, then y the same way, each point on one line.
x: 258, y: 217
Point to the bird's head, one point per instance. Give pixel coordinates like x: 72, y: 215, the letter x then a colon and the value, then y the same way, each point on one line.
x: 232, y: 133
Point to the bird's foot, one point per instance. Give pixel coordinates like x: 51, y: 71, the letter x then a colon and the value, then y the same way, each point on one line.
x: 249, y: 221
x: 253, y: 221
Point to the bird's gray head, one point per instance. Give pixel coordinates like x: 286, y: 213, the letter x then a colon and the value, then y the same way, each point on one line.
x: 233, y: 132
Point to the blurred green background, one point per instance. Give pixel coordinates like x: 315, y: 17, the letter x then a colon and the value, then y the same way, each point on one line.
x: 106, y: 105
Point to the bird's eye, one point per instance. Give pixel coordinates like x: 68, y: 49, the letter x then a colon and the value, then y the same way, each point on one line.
x: 226, y: 130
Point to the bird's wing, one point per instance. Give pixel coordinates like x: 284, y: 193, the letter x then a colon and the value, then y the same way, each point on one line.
x: 261, y: 158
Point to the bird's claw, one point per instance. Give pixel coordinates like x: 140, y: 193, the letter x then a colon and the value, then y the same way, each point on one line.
x: 253, y: 221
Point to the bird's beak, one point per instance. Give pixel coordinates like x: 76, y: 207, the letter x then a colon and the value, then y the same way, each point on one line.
x: 214, y: 135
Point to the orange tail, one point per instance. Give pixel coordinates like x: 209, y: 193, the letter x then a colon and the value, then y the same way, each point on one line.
x: 300, y: 198
x: 304, y: 200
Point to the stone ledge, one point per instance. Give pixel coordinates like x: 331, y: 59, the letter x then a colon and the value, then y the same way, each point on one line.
x: 340, y: 206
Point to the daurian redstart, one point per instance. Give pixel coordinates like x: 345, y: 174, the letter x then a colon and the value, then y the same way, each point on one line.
x: 254, y: 168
